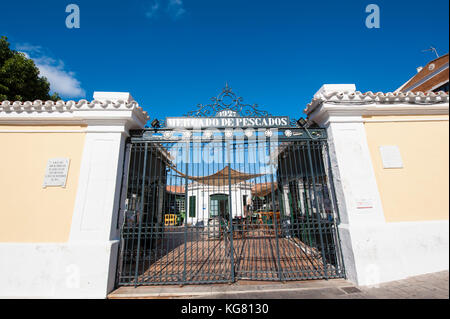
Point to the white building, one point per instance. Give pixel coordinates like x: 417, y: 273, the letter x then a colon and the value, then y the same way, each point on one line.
x: 206, y: 201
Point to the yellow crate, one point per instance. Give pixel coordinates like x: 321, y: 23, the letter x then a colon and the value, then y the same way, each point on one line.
x: 170, y: 219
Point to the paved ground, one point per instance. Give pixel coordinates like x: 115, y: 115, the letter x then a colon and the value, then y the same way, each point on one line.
x: 430, y: 286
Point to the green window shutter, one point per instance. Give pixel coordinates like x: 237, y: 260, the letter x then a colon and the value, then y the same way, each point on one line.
x: 290, y: 203
x: 192, y: 206
x: 281, y: 201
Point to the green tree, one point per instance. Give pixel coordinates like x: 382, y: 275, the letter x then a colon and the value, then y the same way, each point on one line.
x: 19, y: 77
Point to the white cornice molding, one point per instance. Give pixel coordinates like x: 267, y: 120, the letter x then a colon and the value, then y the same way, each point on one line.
x: 347, y: 106
x: 390, y: 98
x: 97, y: 113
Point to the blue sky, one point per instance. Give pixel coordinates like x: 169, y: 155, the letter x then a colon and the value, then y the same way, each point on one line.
x: 173, y: 54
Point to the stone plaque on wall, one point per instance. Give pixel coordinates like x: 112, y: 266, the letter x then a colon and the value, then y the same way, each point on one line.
x: 56, y: 172
x: 390, y: 156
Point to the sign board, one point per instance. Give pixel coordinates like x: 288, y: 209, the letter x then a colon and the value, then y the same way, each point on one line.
x: 227, y: 122
x: 390, y: 156
x: 56, y: 172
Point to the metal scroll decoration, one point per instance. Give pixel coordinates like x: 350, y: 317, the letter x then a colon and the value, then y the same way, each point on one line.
x: 227, y: 100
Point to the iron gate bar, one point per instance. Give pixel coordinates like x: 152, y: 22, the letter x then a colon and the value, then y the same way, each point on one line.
x: 317, y: 212
x: 187, y: 207
x: 140, y: 216
x: 122, y: 207
x: 281, y: 182
x: 299, y: 241
x: 294, y: 172
x: 230, y: 214
x: 280, y: 274
x: 336, y: 220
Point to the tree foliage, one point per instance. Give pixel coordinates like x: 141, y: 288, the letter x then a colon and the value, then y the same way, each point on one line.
x: 19, y: 77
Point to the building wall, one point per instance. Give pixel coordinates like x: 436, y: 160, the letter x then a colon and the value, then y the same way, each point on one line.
x: 203, y: 193
x: 394, y: 221
x: 419, y: 190
x: 62, y: 242
x: 382, y: 239
x: 29, y: 212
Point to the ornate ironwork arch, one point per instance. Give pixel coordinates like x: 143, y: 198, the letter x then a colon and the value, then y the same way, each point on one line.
x: 227, y: 100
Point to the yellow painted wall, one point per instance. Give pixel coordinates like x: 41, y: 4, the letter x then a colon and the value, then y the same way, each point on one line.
x: 28, y: 212
x: 419, y: 190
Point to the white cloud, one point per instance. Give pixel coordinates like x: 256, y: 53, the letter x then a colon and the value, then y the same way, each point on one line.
x: 153, y: 10
x: 61, y: 81
x: 26, y: 47
x: 174, y: 9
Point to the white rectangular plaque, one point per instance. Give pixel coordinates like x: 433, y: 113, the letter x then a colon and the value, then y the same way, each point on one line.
x: 390, y: 155
x: 56, y: 172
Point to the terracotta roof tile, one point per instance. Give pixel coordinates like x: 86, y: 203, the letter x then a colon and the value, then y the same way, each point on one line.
x: 434, y: 73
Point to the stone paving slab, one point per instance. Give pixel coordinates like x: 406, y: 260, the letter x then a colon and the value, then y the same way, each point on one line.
x: 429, y: 286
x: 237, y: 288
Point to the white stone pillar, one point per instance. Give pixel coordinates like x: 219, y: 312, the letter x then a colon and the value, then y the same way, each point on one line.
x: 95, y: 229
x: 358, y: 199
x: 357, y: 194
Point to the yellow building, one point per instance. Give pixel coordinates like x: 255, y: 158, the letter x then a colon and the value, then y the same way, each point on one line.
x: 61, y: 240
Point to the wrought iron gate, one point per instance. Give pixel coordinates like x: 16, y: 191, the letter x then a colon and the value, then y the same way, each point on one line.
x: 206, y: 206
